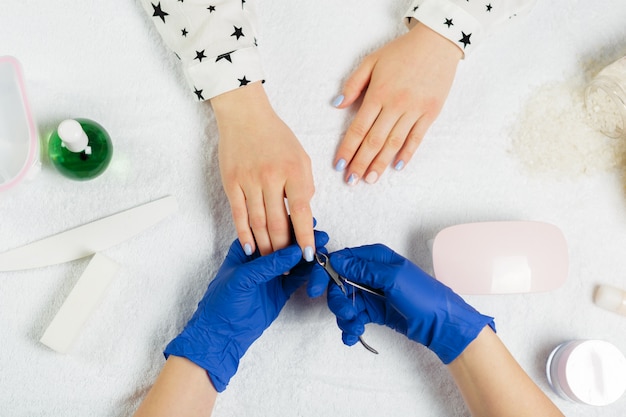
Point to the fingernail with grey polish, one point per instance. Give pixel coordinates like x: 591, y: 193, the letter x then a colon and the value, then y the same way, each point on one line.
x: 353, y: 179
x: 399, y: 165
x: 308, y: 254
x: 247, y: 249
x: 340, y: 165
x: 338, y: 100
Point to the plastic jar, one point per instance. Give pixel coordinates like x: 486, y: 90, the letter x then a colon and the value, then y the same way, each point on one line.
x: 589, y: 372
x: 605, y: 100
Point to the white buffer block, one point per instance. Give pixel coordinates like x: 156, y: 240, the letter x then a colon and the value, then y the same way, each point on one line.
x: 80, y: 304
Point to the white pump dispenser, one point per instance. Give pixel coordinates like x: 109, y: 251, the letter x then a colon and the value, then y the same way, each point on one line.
x: 73, y: 136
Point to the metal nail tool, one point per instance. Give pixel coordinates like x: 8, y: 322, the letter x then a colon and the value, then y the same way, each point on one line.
x: 323, y: 260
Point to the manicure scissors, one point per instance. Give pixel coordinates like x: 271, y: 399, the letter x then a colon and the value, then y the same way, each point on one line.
x: 341, y: 282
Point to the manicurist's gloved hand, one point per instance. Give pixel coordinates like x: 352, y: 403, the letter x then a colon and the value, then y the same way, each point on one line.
x: 415, y: 304
x: 245, y: 297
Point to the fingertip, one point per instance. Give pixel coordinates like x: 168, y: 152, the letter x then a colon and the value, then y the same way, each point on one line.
x: 340, y: 305
x: 291, y: 256
x: 308, y: 253
x: 247, y: 249
x: 349, y: 339
x: 346, y: 312
x: 321, y: 238
x: 371, y: 177
x: 315, y: 288
x: 340, y: 165
x: 352, y: 179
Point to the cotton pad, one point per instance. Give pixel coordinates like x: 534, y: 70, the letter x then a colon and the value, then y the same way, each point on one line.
x: 501, y: 257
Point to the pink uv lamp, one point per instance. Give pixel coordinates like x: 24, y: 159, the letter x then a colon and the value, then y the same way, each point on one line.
x: 505, y: 257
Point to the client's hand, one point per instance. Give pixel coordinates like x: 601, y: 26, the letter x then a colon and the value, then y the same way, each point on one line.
x: 245, y: 297
x: 262, y: 163
x: 404, y: 85
x: 415, y: 304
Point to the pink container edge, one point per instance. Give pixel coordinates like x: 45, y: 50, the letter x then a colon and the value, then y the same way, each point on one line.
x: 32, y: 165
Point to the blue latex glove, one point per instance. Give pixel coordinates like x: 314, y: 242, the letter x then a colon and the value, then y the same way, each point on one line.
x: 245, y: 297
x: 415, y: 304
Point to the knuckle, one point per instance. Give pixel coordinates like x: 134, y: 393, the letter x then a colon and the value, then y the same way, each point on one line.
x: 269, y: 174
x: 413, y: 140
x: 239, y: 213
x: 395, y: 141
x: 403, y: 99
x: 258, y: 222
x: 302, y: 166
x: 358, y: 129
x: 351, y: 84
x: 299, y: 206
x: 242, y: 230
x: 432, y: 104
x: 277, y: 228
x: 374, y: 141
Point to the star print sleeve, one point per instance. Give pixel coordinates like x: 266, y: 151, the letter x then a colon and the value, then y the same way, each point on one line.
x: 215, y: 41
x: 466, y: 23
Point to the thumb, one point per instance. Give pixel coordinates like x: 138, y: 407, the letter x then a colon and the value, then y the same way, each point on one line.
x: 372, y: 265
x: 356, y: 83
x: 267, y: 267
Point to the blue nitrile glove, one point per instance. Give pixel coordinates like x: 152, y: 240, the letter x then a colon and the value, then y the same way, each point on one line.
x: 415, y: 304
x: 243, y: 299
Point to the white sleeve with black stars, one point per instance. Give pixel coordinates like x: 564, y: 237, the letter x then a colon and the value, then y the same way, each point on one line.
x: 215, y: 41
x: 466, y: 22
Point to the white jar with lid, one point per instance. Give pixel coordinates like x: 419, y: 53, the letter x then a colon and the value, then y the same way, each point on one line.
x: 589, y: 372
x: 605, y: 99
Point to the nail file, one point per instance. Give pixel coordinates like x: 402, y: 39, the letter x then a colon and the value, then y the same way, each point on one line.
x: 88, y: 239
x: 80, y: 304
x: 501, y: 257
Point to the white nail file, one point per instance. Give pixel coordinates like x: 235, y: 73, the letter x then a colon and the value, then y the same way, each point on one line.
x: 88, y: 239
x: 80, y: 304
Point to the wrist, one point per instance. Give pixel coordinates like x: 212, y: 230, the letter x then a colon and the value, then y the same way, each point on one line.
x: 217, y: 354
x: 232, y: 103
x: 439, y: 43
x: 461, y: 325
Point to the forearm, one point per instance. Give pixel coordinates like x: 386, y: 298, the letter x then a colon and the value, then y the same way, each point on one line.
x: 492, y: 383
x: 215, y: 41
x: 181, y: 389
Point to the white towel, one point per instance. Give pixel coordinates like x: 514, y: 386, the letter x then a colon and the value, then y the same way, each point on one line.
x: 104, y: 61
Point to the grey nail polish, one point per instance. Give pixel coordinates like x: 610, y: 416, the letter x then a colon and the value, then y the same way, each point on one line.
x: 247, y: 249
x: 308, y: 254
x: 341, y: 165
x: 338, y: 100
